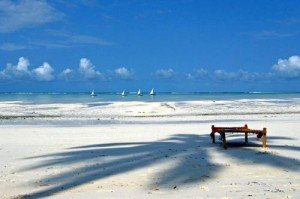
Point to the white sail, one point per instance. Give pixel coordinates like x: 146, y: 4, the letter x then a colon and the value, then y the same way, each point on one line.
x: 139, y: 93
x: 123, y: 93
x: 93, y: 93
x: 152, y: 92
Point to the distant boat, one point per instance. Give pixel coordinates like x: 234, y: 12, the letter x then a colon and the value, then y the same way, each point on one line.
x: 123, y: 93
x: 93, y: 93
x: 152, y: 92
x: 139, y: 93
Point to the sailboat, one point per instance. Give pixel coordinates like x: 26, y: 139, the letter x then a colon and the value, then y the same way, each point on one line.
x: 152, y: 92
x: 93, y: 93
x: 123, y: 93
x: 139, y: 93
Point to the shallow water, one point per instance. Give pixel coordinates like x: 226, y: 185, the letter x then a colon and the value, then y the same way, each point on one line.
x: 131, y: 96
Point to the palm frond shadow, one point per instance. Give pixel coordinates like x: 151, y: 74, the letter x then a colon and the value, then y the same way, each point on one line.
x: 189, y: 152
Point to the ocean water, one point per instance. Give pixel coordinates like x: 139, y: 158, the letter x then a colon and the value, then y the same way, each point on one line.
x: 82, y: 97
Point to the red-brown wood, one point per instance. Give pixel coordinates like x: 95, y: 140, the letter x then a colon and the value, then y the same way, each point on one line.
x: 244, y: 129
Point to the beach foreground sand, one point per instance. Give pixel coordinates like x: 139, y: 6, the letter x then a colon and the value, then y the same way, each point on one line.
x: 148, y: 157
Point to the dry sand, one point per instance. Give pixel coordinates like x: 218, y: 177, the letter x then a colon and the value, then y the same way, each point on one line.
x: 119, y: 155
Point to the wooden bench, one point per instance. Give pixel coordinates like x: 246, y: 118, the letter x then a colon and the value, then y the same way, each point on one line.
x: 223, y: 130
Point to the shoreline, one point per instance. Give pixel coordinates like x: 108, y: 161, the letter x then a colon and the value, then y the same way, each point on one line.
x: 12, y: 117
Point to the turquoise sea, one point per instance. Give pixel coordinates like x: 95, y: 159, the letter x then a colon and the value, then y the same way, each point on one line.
x: 85, y: 97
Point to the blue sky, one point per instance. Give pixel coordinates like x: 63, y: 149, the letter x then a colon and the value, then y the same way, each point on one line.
x: 170, y: 45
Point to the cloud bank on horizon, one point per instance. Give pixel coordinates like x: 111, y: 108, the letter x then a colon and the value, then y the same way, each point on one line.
x: 286, y: 68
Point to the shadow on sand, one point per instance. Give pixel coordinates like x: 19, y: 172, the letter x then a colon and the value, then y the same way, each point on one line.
x: 190, y: 153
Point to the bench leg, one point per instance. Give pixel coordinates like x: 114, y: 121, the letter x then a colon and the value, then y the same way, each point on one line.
x: 213, y: 137
x: 264, y: 138
x: 224, y: 140
x: 246, y: 137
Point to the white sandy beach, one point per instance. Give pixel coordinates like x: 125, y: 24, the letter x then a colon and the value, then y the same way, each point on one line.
x: 148, y: 150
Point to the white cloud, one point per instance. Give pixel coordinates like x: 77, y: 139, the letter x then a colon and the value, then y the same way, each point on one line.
x: 49, y: 44
x: 123, y: 73
x: 44, y: 72
x: 289, y: 67
x: 222, y: 74
x: 165, y: 73
x: 87, y: 39
x: 197, y: 74
x: 19, y: 70
x: 65, y: 39
x: 3, y: 75
x: 23, y: 64
x: 20, y: 14
x: 67, y: 73
x: 273, y: 35
x: 87, y: 69
x: 238, y: 75
x: 250, y: 76
x: 11, y: 47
